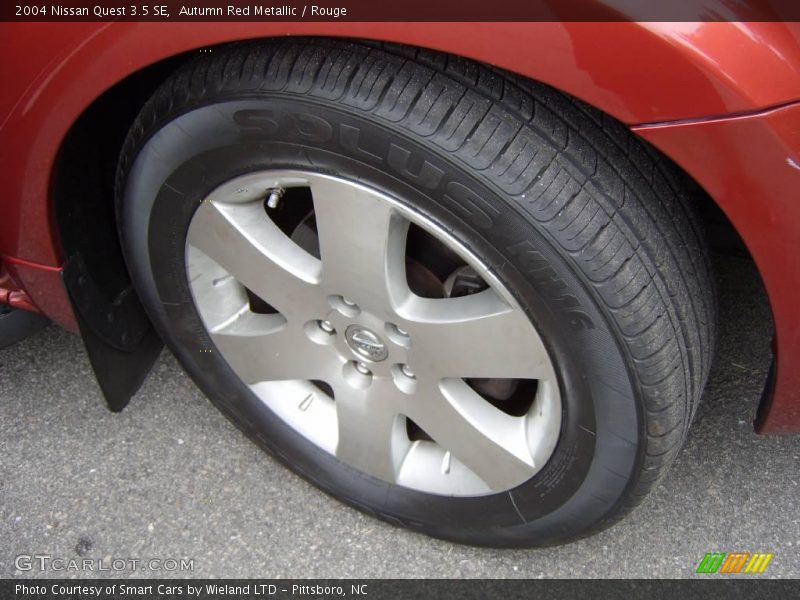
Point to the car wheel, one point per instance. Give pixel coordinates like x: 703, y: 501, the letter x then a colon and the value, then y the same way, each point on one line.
x: 457, y: 300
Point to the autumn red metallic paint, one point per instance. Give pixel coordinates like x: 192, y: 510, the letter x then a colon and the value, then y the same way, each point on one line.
x: 718, y: 98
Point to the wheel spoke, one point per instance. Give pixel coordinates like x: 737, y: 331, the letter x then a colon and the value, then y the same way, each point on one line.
x: 474, y: 336
x: 372, y: 436
x: 267, y: 348
x: 249, y: 246
x: 362, y: 244
x: 486, y: 440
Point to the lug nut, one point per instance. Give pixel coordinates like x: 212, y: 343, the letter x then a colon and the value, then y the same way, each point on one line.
x: 362, y: 368
x: 406, y: 370
x: 398, y: 336
x: 326, y: 326
x: 347, y: 307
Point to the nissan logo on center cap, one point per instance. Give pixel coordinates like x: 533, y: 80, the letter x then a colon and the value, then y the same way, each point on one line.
x: 366, y: 343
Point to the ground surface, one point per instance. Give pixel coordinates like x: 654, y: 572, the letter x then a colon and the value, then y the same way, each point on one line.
x: 171, y: 478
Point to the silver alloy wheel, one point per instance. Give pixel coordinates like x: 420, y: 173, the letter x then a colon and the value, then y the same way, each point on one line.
x: 350, y: 320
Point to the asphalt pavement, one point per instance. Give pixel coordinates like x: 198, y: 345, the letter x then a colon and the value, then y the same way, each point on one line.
x: 170, y: 478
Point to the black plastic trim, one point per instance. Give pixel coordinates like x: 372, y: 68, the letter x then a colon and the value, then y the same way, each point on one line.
x: 17, y: 324
x: 119, y: 338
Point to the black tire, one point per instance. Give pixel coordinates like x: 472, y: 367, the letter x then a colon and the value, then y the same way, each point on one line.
x: 591, y: 230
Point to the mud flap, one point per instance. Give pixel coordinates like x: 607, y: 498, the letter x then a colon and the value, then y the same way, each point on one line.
x: 120, y: 340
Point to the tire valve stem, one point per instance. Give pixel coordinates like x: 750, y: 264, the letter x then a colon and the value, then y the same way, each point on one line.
x: 275, y: 196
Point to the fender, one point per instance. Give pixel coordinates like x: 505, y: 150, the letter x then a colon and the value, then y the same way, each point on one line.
x: 751, y: 166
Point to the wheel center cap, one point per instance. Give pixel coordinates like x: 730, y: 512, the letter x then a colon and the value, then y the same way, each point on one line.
x: 366, y: 343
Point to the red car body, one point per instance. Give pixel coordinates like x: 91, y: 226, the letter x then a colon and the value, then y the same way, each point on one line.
x: 721, y: 99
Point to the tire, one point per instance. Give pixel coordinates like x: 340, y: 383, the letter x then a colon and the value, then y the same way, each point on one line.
x: 556, y: 212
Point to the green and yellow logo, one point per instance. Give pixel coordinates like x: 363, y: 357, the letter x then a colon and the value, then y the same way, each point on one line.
x: 734, y: 562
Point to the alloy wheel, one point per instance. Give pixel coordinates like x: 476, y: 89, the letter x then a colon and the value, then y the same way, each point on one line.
x: 450, y: 393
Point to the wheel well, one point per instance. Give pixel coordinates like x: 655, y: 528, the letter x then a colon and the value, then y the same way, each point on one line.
x: 119, y: 338
x: 83, y: 180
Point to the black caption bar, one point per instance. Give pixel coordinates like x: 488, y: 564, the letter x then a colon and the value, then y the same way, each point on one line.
x: 404, y: 10
x: 370, y: 589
